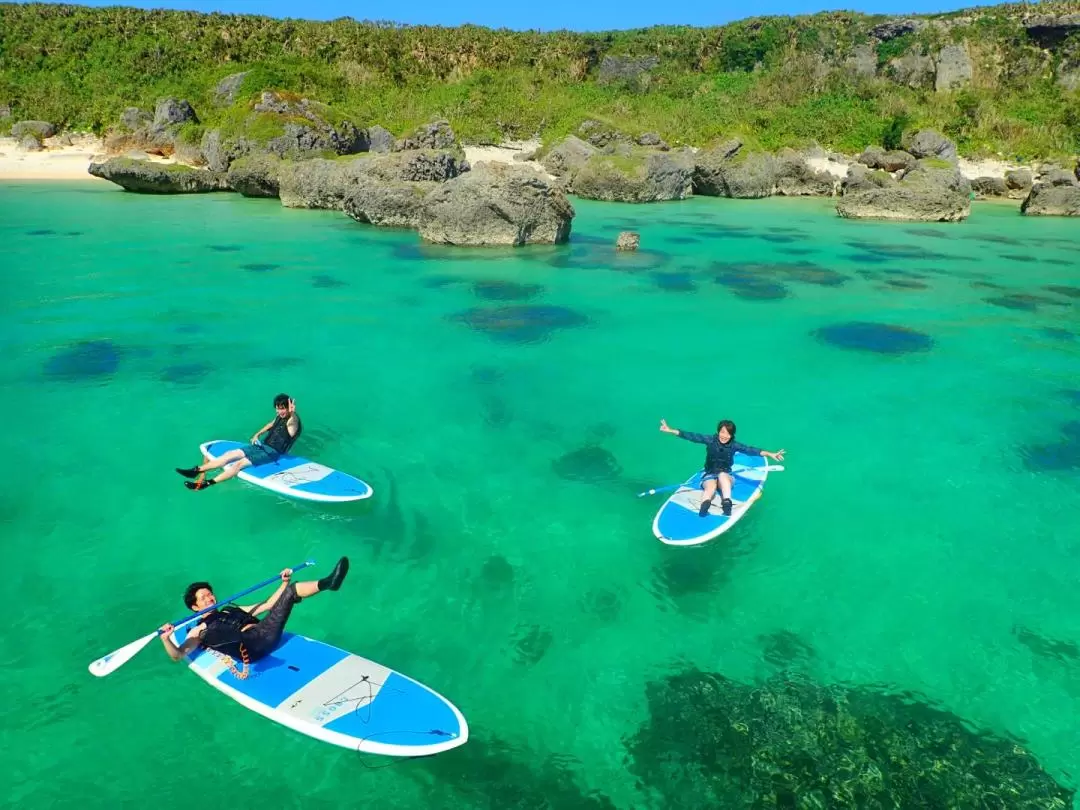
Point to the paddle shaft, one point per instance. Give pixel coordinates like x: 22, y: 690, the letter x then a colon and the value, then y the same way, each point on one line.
x: 736, y: 471
x: 235, y: 596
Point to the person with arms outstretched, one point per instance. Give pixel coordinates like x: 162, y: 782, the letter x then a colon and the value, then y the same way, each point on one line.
x: 720, y: 450
x: 234, y: 630
x: 284, y: 429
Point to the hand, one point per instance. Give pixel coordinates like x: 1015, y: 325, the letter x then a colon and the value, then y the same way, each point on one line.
x: 292, y: 406
x: 285, y: 574
x: 664, y: 427
x: 255, y: 439
x: 166, y: 629
x: 777, y: 456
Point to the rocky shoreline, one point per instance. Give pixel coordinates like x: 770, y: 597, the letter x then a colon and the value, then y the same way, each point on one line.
x: 302, y: 153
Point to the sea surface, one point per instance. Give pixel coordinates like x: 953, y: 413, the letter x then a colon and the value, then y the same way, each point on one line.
x: 922, y: 541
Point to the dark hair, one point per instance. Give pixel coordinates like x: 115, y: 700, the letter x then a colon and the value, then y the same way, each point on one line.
x: 192, y: 589
x: 281, y: 401
x: 726, y: 423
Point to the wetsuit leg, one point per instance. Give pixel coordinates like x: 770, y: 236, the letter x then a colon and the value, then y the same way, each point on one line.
x: 261, y: 639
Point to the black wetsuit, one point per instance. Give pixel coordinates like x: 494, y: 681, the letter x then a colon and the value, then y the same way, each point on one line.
x: 223, y: 628
x: 718, y: 457
x: 278, y: 439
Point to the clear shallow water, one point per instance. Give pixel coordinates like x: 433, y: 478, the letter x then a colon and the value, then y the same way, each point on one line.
x: 505, y: 404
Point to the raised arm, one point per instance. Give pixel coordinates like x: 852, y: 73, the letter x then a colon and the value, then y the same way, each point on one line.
x: 698, y: 438
x: 269, y: 603
x: 757, y: 451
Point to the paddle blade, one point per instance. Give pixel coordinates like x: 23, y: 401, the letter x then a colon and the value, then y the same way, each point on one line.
x: 108, y: 664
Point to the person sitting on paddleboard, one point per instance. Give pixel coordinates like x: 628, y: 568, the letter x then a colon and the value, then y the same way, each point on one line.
x: 234, y: 630
x: 285, y: 429
x: 720, y: 450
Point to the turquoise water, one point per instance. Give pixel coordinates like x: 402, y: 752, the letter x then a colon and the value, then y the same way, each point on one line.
x: 923, y: 537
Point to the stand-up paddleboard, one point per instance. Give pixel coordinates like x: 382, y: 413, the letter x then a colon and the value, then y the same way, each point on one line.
x: 295, y: 477
x: 335, y: 696
x: 677, y: 523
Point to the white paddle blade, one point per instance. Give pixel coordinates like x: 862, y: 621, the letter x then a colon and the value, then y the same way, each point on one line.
x: 113, y: 661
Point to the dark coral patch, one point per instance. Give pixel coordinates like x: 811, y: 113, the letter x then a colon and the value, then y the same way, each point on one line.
x: 746, y: 284
x: 880, y: 338
x: 1062, y: 289
x: 325, y: 282
x: 930, y: 233
x: 1026, y: 302
x: 591, y: 464
x: 907, y: 284
x: 531, y: 643
x: 785, y: 649
x: 440, y: 281
x: 868, y: 258
x: 1045, y: 647
x: 505, y: 290
x: 1057, y: 333
x: 41, y: 232
x: 1019, y: 257
x: 788, y: 742
x: 674, y: 282
x: 88, y: 359
x: 522, y: 324
x: 496, y: 573
x: 186, y: 373
x: 226, y: 248
x: 260, y: 267
x: 1061, y: 455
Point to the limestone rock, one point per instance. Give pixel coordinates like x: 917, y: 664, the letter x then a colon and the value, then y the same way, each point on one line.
x: 745, y: 176
x: 636, y: 176
x: 436, y: 135
x: 158, y: 178
x: 255, y: 175
x: 1055, y: 198
x: 568, y: 156
x: 39, y: 130
x: 985, y: 187
x: 628, y: 240
x: 497, y: 204
x: 954, y: 68
x: 389, y: 203
x: 926, y: 143
x: 928, y: 193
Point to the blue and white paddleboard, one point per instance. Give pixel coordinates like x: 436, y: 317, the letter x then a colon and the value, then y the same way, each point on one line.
x: 335, y: 696
x: 295, y: 477
x: 677, y: 522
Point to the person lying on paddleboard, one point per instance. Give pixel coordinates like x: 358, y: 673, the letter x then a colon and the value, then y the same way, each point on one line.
x: 234, y: 630
x: 720, y: 450
x: 285, y: 429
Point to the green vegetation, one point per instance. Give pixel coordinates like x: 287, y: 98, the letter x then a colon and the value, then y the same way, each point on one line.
x: 773, y: 81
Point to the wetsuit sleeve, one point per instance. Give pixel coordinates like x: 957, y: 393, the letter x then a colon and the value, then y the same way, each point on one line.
x: 697, y: 438
x: 746, y: 449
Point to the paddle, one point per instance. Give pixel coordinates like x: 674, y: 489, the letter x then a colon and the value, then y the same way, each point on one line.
x: 735, y: 471
x: 113, y: 661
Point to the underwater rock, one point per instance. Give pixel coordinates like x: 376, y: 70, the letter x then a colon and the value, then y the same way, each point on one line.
x: 590, y: 464
x: 788, y: 742
x: 523, y: 324
x: 505, y: 290
x: 88, y: 359
x: 874, y: 337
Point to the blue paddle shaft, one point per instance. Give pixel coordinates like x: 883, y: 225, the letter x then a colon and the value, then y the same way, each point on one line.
x: 197, y: 614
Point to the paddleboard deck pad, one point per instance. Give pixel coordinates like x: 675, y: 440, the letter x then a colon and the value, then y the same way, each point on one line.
x: 336, y: 697
x: 677, y: 522
x: 295, y: 476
